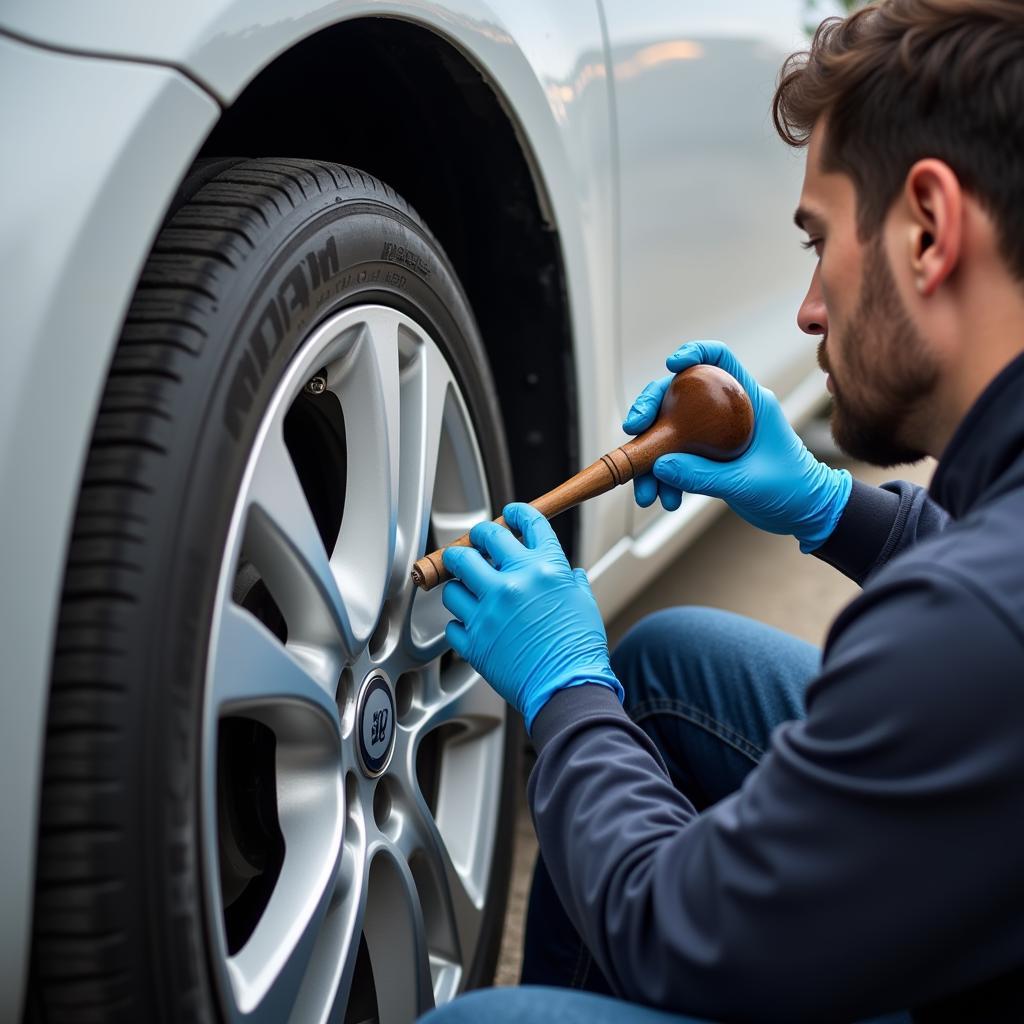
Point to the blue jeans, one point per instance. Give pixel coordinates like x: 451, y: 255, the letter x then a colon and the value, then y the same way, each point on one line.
x: 708, y: 687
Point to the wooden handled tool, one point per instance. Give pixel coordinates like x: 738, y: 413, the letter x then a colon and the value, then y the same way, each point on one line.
x: 704, y: 412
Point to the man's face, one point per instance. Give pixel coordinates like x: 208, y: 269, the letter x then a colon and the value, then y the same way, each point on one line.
x: 880, y: 370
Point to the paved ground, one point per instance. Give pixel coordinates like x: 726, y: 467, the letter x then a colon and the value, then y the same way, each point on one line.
x: 732, y: 566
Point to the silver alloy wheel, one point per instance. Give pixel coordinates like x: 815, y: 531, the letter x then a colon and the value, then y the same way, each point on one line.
x: 366, y: 862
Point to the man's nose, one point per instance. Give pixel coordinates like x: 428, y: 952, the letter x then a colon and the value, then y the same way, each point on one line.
x: 812, y: 317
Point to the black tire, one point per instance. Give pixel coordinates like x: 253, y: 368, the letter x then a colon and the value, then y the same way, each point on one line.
x: 119, y: 931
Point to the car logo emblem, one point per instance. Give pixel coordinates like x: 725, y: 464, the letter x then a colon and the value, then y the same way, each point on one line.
x: 375, y: 722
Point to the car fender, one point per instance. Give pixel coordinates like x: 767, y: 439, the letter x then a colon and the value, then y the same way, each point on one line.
x: 96, y: 149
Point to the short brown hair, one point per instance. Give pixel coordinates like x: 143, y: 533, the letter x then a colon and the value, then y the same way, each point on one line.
x: 902, y: 80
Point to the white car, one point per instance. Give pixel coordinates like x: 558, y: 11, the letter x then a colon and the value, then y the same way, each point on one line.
x: 294, y: 291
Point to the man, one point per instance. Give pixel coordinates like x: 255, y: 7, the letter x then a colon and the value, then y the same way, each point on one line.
x: 769, y: 837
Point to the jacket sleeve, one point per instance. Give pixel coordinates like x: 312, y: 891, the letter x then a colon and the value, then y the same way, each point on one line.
x: 877, y: 524
x: 823, y: 889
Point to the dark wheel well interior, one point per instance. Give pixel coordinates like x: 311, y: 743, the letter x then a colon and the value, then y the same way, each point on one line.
x: 392, y: 98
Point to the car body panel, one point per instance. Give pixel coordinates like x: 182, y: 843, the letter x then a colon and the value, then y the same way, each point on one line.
x: 708, y: 249
x: 109, y: 133
x: 99, y: 153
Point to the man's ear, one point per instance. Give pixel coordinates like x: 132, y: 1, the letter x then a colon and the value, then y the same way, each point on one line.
x: 934, y: 199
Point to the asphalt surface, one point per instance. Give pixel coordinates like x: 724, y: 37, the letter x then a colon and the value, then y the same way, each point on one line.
x: 732, y: 566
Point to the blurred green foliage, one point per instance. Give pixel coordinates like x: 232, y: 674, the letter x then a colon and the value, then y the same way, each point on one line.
x: 815, y: 10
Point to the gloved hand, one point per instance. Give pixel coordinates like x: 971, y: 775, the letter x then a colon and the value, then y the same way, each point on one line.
x: 776, y: 485
x: 528, y: 623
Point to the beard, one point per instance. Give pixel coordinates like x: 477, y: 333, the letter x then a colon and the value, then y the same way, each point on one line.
x: 889, y: 372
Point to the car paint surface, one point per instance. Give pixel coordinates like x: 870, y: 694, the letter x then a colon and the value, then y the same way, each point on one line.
x: 644, y: 145
x: 100, y: 150
x: 707, y: 244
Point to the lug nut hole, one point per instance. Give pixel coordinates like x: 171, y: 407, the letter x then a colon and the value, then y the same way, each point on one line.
x: 407, y: 689
x: 382, y: 805
x: 379, y: 639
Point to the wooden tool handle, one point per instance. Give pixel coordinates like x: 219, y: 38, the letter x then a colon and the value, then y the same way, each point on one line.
x: 704, y: 412
x: 609, y: 471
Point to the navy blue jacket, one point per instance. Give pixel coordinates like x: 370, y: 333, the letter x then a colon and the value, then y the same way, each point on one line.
x: 874, y: 860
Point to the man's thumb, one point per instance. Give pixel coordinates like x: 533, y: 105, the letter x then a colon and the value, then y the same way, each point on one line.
x: 690, y: 473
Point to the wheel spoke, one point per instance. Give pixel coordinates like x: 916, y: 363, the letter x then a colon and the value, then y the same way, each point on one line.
x: 255, y: 674
x: 366, y: 381
x: 467, y: 804
x: 467, y: 698
x: 449, y: 853
x: 267, y: 973
x: 459, y: 498
x: 426, y: 624
x: 449, y: 525
x: 426, y: 393
x: 339, y: 970
x: 328, y: 985
x: 396, y: 941
x: 455, y: 500
x: 284, y: 543
x: 452, y: 912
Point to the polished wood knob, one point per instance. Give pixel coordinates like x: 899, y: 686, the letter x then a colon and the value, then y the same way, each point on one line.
x: 704, y: 412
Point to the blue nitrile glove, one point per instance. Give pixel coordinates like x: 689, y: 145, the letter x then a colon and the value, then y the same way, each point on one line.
x: 528, y: 623
x: 776, y: 484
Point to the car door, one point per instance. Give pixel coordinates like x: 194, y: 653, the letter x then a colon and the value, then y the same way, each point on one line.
x: 707, y: 248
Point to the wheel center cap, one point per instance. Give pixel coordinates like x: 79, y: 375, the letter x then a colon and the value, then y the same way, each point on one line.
x: 375, y: 723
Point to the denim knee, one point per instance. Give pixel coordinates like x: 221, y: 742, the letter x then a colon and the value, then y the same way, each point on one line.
x: 532, y: 1005
x: 683, y: 637
x: 743, y: 673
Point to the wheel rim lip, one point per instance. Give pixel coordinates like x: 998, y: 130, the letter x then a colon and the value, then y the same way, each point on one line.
x: 309, y: 356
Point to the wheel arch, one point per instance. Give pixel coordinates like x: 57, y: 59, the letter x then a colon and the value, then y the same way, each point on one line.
x: 436, y: 128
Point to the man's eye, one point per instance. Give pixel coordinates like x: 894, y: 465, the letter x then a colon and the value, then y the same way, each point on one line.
x: 812, y: 243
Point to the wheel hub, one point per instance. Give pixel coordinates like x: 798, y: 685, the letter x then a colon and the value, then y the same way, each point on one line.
x: 375, y: 724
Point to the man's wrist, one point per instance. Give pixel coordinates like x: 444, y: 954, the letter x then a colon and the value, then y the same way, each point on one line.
x: 567, y: 708
x: 823, y: 524
x: 591, y: 676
